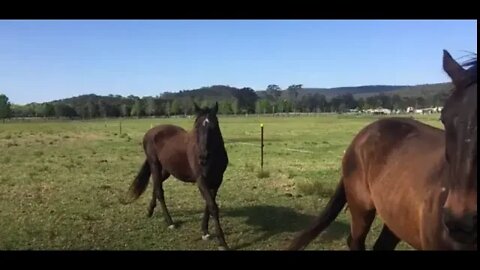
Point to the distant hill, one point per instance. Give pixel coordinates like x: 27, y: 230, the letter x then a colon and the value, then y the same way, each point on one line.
x: 373, y: 89
x: 234, y: 100
x: 84, y: 99
x: 224, y: 92
x: 336, y: 91
x: 423, y: 90
x: 219, y: 92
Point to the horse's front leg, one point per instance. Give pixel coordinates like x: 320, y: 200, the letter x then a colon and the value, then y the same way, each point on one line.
x: 213, y: 209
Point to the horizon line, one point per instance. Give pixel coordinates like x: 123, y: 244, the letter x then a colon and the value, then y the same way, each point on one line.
x: 227, y: 85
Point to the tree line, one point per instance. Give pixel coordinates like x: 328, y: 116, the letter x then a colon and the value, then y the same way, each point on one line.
x: 231, y: 101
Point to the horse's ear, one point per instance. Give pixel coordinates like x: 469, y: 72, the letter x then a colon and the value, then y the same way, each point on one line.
x: 215, y: 108
x: 452, y: 68
x: 197, y: 109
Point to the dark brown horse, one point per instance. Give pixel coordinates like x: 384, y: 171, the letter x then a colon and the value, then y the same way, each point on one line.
x: 198, y: 156
x: 420, y: 180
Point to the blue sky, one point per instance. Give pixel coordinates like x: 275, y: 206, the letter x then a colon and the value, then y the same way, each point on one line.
x: 52, y: 59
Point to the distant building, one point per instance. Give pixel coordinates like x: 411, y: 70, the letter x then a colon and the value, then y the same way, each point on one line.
x: 378, y: 110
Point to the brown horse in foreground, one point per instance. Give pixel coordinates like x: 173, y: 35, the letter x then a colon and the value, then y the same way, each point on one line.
x: 198, y: 156
x: 420, y: 180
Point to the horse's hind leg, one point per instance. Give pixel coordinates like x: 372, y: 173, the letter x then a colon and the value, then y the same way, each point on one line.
x: 161, y: 198
x: 361, y: 221
x: 158, y: 176
x: 387, y: 240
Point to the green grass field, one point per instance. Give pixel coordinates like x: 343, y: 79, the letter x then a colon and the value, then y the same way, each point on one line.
x: 61, y: 184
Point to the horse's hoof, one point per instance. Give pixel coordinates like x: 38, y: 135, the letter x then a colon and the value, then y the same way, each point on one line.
x: 222, y: 248
x: 206, y: 236
x: 171, y: 227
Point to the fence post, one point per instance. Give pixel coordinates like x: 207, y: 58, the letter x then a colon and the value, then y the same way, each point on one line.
x: 261, y: 147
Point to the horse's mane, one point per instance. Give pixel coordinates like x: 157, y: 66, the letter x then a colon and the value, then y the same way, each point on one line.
x: 471, y: 65
x: 472, y: 62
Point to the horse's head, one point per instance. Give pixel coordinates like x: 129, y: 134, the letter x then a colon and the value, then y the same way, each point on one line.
x: 206, y: 124
x: 459, y: 116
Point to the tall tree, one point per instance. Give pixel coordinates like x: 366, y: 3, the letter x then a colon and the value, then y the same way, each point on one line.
x: 420, y: 102
x: 225, y: 107
x: 187, y: 105
x: 264, y: 106
x: 293, y: 92
x: 102, y: 108
x: 92, y: 109
x: 150, y: 106
x: 49, y: 110
x: 397, y: 103
x: 167, y: 108
x: 175, y: 107
x: 361, y: 103
x: 5, y: 107
x: 258, y: 107
x: 246, y: 98
x: 235, y: 106
x: 137, y: 109
x: 124, y: 110
x: 273, y: 92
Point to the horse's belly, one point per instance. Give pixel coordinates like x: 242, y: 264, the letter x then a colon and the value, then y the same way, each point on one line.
x: 398, y: 206
x: 176, y: 164
x: 184, y: 177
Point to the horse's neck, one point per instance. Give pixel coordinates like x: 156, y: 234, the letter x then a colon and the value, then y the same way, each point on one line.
x: 216, y: 140
x: 215, y: 137
x: 438, y: 176
x: 433, y: 199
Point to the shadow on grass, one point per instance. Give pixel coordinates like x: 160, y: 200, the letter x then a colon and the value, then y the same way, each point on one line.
x: 269, y: 221
x: 265, y: 221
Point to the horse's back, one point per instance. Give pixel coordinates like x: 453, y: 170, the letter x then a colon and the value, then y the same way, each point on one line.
x: 168, y: 143
x: 386, y: 135
x: 163, y: 133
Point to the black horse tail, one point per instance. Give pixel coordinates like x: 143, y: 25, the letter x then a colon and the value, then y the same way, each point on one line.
x: 327, y: 216
x: 140, y: 183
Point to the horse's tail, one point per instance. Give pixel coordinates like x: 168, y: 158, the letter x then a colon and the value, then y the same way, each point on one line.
x: 327, y: 216
x: 140, y: 182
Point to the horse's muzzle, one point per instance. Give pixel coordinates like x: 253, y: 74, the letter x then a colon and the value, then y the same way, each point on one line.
x: 461, y: 229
